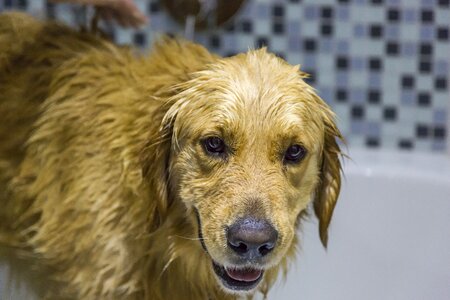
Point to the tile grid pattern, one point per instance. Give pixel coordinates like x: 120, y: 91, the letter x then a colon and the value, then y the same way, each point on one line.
x: 383, y: 65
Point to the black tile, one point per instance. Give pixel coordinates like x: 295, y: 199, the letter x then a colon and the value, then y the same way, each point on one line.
x: 170, y: 34
x: 326, y: 12
x: 326, y: 29
x: 374, y: 97
x: 154, y: 7
x: 427, y: 16
x: 390, y: 113
x: 278, y: 10
x: 426, y: 49
x: 295, y: 1
x: 442, y: 33
x: 377, y: 2
x: 341, y: 95
x: 22, y: 4
x: 230, y: 27
x: 247, y: 26
x: 376, y: 31
x: 262, y: 42
x: 8, y: 3
x: 445, y: 3
x: 393, y: 15
x: 408, y: 81
x: 439, y: 132
x: 405, y: 144
x: 50, y: 10
x: 215, y: 41
x: 373, y: 142
x: 309, y: 45
x: 140, y: 39
x: 278, y: 27
x: 357, y: 112
x: 440, y: 83
x: 231, y: 53
x: 344, y: 1
x: 422, y: 131
x: 424, y: 99
x: 375, y: 64
x: 425, y: 67
x: 312, y: 76
x: 280, y: 55
x: 342, y: 63
x: 392, y: 48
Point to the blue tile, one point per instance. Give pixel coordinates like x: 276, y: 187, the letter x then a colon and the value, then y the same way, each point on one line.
x: 311, y: 12
x: 326, y: 46
x: 343, y: 13
x: 408, y: 98
x: 247, y: 10
x: 427, y: 32
x: 393, y: 2
x: 357, y: 95
x: 293, y: 28
x: 442, y: 67
x: 341, y: 79
x: 342, y: 47
x: 373, y: 129
x: 374, y: 80
x: 358, y: 63
x: 359, y: 30
x: 309, y: 61
x: 262, y: 11
x: 428, y: 3
x: 326, y: 93
x: 409, y: 49
x: 294, y: 43
x: 357, y: 127
x: 392, y: 32
x: 440, y: 117
x: 439, y: 146
x: 229, y: 42
x: 409, y: 15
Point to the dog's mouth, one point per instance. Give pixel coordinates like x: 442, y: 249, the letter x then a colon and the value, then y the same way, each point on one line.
x: 238, y: 279
x: 233, y: 278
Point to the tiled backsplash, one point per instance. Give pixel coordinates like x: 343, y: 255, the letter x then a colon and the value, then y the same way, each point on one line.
x: 383, y: 65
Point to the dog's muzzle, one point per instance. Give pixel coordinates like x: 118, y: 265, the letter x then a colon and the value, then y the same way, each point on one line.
x: 249, y: 240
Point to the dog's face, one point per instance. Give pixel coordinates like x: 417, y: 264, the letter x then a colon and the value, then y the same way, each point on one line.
x: 251, y: 146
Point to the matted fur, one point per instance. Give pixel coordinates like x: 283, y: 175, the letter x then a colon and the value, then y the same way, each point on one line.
x: 101, y: 170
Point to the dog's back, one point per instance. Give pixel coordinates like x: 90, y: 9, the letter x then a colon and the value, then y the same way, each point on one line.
x: 37, y: 58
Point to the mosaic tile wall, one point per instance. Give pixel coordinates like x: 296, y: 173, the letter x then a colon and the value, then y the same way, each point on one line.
x: 383, y: 65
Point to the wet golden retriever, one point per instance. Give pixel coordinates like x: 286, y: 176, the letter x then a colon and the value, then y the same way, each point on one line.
x: 178, y: 175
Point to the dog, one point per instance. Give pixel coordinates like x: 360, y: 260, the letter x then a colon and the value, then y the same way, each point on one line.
x: 174, y: 175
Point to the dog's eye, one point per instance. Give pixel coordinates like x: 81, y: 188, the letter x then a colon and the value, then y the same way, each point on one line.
x: 294, y: 153
x: 214, y: 145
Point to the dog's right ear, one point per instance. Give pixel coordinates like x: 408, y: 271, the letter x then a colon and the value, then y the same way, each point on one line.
x: 155, y: 163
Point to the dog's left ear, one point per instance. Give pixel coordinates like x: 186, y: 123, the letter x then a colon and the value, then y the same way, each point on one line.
x: 156, y: 156
x: 330, y: 172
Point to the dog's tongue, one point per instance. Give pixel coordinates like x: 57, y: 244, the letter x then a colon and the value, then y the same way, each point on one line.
x: 247, y: 275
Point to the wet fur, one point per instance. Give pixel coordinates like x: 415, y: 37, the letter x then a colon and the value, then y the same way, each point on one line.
x: 100, y: 175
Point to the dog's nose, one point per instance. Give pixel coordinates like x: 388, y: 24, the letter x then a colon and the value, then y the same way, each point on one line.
x: 251, y: 238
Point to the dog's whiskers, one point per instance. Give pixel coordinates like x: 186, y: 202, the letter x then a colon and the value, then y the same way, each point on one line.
x: 191, y: 238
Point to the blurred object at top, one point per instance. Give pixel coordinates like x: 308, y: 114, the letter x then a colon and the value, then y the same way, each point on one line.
x: 124, y: 12
x: 206, y: 13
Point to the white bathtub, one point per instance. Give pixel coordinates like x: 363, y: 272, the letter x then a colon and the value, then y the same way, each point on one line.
x: 389, y: 237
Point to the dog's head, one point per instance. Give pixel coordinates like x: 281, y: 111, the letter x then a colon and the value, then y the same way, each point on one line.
x: 248, y: 146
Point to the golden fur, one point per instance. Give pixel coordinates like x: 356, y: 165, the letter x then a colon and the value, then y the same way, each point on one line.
x: 102, y: 172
